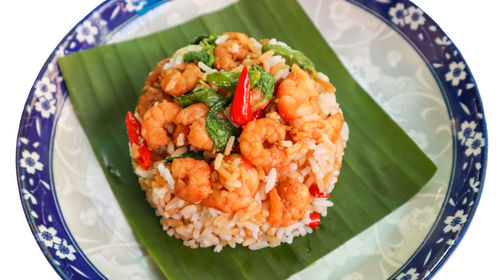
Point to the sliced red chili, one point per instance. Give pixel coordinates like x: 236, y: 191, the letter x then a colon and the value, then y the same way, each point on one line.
x: 314, y: 191
x: 135, y: 137
x: 241, y: 109
x: 315, y: 220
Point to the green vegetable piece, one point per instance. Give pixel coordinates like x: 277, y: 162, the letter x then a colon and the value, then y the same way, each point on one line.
x: 228, y: 80
x: 190, y: 154
x: 206, y: 55
x: 291, y: 56
x: 266, y: 82
x: 219, y: 129
x: 205, y: 95
x: 205, y: 39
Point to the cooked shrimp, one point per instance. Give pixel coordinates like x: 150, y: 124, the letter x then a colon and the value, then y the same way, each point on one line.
x: 181, y: 79
x: 295, y: 93
x: 154, y: 121
x: 259, y: 143
x: 195, y: 117
x: 229, y: 54
x: 288, y: 203
x: 148, y: 99
x: 192, y: 179
x: 256, y: 95
x: 313, y: 127
x: 234, y: 185
x: 152, y: 79
x: 191, y: 113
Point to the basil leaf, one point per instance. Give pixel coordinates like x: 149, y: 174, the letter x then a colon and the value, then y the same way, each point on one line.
x: 189, y: 154
x: 265, y: 83
x: 219, y: 129
x: 229, y: 80
x: 205, y: 95
x: 206, y: 55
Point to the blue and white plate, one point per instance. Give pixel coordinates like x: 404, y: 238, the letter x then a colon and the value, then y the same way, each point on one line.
x: 393, y: 49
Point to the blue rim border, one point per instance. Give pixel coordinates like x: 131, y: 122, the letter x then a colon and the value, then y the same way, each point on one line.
x: 37, y: 190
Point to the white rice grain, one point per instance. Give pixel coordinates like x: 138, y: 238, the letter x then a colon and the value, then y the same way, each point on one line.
x: 218, y: 161
x: 221, y: 39
x: 323, y: 77
x: 170, y: 147
x: 328, y: 104
x: 229, y: 145
x: 345, y: 132
x: 271, y: 180
x: 180, y: 139
x: 205, y: 68
x: 165, y: 173
x: 256, y: 44
x: 179, y: 152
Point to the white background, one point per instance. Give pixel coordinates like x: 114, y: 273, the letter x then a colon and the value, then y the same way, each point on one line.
x: 30, y: 30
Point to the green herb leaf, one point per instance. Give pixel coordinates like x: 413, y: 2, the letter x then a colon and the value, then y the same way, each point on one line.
x: 189, y: 154
x: 266, y: 82
x: 205, y: 95
x: 291, y: 56
x: 206, y: 55
x: 219, y: 129
x: 229, y: 80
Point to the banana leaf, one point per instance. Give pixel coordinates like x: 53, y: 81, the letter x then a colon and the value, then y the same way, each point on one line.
x: 382, y: 169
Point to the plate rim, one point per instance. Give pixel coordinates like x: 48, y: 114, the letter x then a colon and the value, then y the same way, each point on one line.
x: 379, y: 8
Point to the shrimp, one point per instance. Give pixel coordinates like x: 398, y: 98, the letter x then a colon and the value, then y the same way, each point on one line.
x: 288, y: 203
x: 313, y: 127
x: 192, y: 179
x: 195, y: 117
x: 180, y: 79
x: 154, y: 121
x: 234, y: 184
x: 148, y: 99
x: 259, y: 143
x: 233, y: 50
x: 256, y: 95
x: 295, y: 93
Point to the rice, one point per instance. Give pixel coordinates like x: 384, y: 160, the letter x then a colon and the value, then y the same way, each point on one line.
x: 271, y: 180
x: 221, y: 39
x: 205, y: 68
x: 229, y: 145
x: 165, y: 173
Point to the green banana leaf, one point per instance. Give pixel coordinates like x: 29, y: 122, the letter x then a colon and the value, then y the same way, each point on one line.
x: 382, y: 169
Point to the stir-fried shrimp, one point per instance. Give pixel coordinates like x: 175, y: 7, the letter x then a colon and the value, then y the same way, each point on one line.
x: 256, y: 95
x: 295, y: 93
x: 192, y: 179
x: 154, y: 121
x: 152, y: 79
x: 191, y: 113
x: 229, y: 54
x: 148, y: 99
x: 195, y: 117
x: 313, y: 127
x: 234, y: 185
x: 288, y: 203
x: 180, y: 79
x: 259, y: 143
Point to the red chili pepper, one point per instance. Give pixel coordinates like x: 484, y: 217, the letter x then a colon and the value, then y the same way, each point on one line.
x: 314, y: 191
x: 135, y: 137
x: 241, y: 110
x: 315, y: 220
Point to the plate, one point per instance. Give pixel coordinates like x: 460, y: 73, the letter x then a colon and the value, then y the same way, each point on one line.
x: 394, y: 50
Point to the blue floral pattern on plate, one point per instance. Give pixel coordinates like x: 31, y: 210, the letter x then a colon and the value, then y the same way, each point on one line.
x: 37, y: 128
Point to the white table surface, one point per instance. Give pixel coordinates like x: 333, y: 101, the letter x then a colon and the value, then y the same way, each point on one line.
x: 30, y: 30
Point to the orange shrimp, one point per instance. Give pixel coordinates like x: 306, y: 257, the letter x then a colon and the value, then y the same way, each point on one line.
x: 180, y: 79
x: 288, y: 203
x: 195, y: 117
x: 154, y: 121
x: 234, y: 185
x: 295, y: 93
x: 192, y: 179
x: 148, y: 99
x: 259, y: 143
x: 231, y: 52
